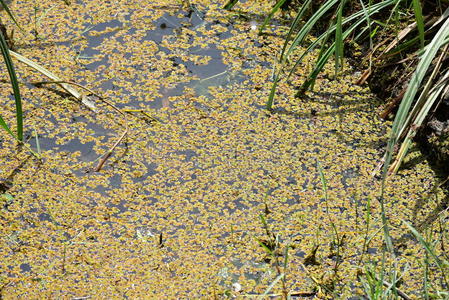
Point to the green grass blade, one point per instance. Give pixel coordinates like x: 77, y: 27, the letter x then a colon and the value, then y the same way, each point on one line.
x: 373, y: 9
x: 443, y: 43
x: 402, y: 47
x: 295, y: 23
x: 38, y: 144
x: 368, y: 22
x: 356, y: 17
x: 324, y: 58
x: 264, y: 221
x: 10, y: 14
x: 323, y: 180
x: 305, y: 30
x: 307, y: 51
x: 441, y: 18
x: 15, y: 86
x: 419, y: 20
x: 269, y: 104
x: 272, y: 285
x: 286, y: 256
x: 366, y: 13
x: 230, y: 4
x: 6, y: 127
x: 424, y: 99
x: 299, y: 38
x: 355, y: 20
x: 296, y: 40
x: 265, y: 247
x: 394, y: 11
x: 339, y: 47
x: 8, y: 130
x: 441, y: 263
x: 275, y: 8
x: 409, y: 96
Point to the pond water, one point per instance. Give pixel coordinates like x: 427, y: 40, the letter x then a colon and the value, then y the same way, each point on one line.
x: 175, y: 211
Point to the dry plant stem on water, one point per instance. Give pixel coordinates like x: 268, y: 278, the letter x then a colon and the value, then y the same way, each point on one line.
x: 54, y: 78
x: 105, y: 157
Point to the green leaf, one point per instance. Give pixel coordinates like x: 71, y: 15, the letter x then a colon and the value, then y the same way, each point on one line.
x: 15, y: 86
x: 419, y: 20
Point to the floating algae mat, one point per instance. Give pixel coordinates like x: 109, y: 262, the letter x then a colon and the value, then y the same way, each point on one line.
x: 175, y: 212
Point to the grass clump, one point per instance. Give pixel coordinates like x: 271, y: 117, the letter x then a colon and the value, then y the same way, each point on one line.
x: 410, y: 31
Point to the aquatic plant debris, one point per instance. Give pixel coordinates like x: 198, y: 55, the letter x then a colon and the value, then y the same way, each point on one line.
x: 175, y: 211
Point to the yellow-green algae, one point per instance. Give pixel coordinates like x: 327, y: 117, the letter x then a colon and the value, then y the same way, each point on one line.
x: 198, y: 179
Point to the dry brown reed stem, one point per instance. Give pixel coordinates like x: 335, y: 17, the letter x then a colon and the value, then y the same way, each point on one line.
x: 393, y: 104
